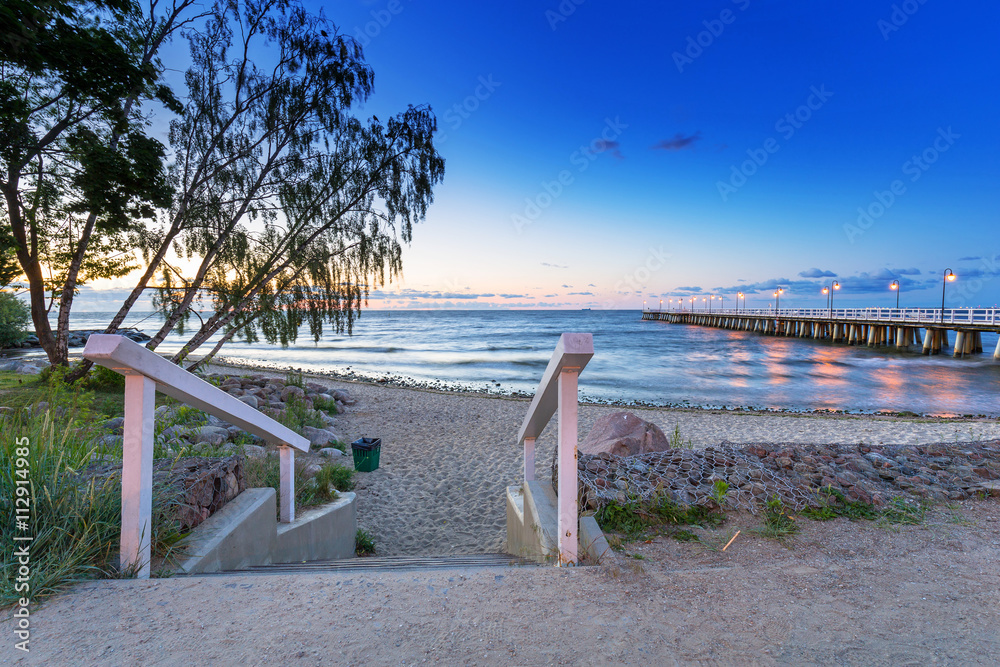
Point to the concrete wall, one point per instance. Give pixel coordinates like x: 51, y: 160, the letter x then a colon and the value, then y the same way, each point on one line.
x: 245, y: 532
x: 532, y: 520
x: 322, y: 533
x: 241, y: 534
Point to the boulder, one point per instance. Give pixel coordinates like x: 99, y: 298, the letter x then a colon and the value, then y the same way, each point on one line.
x: 319, y: 437
x: 330, y: 452
x: 215, y: 435
x: 254, y: 451
x: 250, y: 400
x: 624, y: 434
x: 292, y: 390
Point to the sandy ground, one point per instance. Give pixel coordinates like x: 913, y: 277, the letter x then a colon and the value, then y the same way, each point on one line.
x: 839, y: 593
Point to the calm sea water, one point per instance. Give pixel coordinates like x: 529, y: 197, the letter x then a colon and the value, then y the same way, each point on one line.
x: 651, y: 362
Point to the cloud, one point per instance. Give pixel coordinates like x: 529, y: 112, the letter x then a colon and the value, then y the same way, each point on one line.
x: 678, y: 143
x: 567, y: 287
x: 969, y: 259
x: 689, y: 289
x: 554, y: 266
x: 580, y: 294
x: 605, y: 146
x: 817, y: 273
x: 907, y: 272
x: 591, y: 285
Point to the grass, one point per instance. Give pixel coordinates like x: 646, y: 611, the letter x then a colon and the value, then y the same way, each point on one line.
x: 75, y: 524
x: 364, y: 544
x: 298, y: 415
x: 637, y: 519
x: 329, y: 406
x: 778, y: 523
x: 834, y: 505
x: 263, y: 472
x: 677, y: 442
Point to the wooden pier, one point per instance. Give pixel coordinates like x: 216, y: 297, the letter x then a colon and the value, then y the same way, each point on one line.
x: 901, y: 328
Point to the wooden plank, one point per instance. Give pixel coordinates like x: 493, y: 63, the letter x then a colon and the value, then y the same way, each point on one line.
x: 574, y: 350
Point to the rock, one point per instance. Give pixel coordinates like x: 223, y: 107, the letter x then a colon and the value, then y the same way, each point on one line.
x: 215, y: 435
x: 624, y: 434
x: 292, y: 390
x: 327, y: 419
x: 254, y: 451
x: 9, y: 365
x: 330, y: 452
x: 319, y: 437
x: 115, y: 425
x: 165, y: 413
x: 310, y: 469
x: 114, y: 441
x: 342, y: 396
x: 235, y: 391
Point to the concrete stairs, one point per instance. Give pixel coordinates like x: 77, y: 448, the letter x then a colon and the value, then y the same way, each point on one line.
x: 384, y: 564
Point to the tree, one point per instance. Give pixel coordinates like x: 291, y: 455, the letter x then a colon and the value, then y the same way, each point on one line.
x: 77, y: 172
x: 293, y: 208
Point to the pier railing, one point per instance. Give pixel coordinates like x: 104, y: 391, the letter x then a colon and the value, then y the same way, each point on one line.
x: 988, y: 317
x: 146, y: 373
x: 558, y: 390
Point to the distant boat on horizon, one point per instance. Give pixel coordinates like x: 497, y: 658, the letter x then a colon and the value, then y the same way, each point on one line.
x: 585, y: 309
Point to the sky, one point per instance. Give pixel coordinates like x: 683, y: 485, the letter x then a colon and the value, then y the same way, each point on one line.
x: 602, y: 154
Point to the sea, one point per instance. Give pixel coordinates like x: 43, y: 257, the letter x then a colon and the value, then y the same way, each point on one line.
x: 635, y: 361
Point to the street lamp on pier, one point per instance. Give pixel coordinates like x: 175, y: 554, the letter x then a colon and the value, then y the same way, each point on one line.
x: 661, y: 305
x: 692, y: 303
x: 949, y: 277
x: 740, y: 295
x: 777, y: 298
x: 826, y: 291
x: 835, y: 286
x: 894, y: 286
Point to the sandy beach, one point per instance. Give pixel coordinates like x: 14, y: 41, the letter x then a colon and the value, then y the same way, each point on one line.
x: 837, y: 593
x: 447, y: 458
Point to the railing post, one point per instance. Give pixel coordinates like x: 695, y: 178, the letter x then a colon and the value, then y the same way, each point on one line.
x: 529, y: 459
x: 568, y: 492
x: 286, y: 472
x: 137, y: 473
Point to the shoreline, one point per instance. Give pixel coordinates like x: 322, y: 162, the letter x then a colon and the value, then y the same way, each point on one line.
x: 458, y: 389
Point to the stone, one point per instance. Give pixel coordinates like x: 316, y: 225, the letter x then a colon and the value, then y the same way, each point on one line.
x: 330, y: 452
x: 342, y: 396
x: 114, y: 425
x: 254, y: 451
x: 110, y: 441
x: 624, y: 434
x: 292, y: 390
x: 319, y: 437
x: 250, y: 400
x: 215, y: 435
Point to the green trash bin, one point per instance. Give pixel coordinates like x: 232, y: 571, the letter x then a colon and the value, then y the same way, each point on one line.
x: 366, y: 452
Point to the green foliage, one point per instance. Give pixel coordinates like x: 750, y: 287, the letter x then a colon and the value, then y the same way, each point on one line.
x: 834, y: 504
x: 904, y: 511
x: 778, y: 523
x: 677, y: 442
x: 263, y: 472
x: 329, y: 406
x: 364, y: 544
x: 661, y: 514
x: 719, y: 490
x: 14, y: 319
x: 76, y: 524
x: 103, y: 379
x: 298, y: 415
x: 295, y: 379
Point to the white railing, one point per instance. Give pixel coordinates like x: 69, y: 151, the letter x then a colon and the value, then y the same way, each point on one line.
x: 146, y: 372
x: 558, y: 389
x: 988, y: 317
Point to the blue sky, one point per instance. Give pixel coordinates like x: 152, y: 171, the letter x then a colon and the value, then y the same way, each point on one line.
x: 602, y: 153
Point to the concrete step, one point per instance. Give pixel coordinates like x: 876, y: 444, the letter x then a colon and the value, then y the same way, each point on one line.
x: 385, y: 563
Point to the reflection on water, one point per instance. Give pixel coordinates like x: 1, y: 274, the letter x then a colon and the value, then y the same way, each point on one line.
x: 655, y: 362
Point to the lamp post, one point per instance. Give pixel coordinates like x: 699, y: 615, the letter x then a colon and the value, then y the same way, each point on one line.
x: 740, y: 295
x: 704, y: 301
x: 722, y: 302
x: 777, y: 298
x: 949, y: 277
x: 826, y: 291
x: 692, y: 303
x: 833, y: 287
x: 661, y: 306
x: 894, y: 286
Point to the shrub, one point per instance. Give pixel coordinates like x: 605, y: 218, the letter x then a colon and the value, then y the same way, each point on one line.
x: 14, y: 319
x: 364, y: 545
